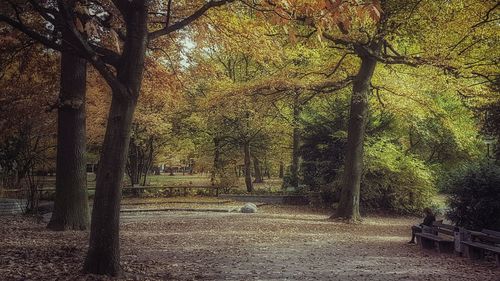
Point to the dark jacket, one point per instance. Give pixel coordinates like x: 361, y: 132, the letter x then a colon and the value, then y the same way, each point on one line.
x: 428, y: 220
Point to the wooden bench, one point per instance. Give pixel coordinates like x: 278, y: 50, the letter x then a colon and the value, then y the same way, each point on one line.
x: 440, y: 236
x: 480, y: 242
x: 487, y: 236
x: 446, y: 229
x: 476, y: 250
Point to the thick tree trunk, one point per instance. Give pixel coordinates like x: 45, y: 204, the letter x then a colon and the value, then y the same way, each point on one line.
x: 247, y: 167
x: 103, y: 256
x: 349, y: 198
x: 294, y: 168
x: 257, y: 170
x: 71, y: 209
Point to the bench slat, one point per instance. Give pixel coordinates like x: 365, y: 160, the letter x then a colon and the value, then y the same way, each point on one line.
x: 482, y: 246
x: 445, y: 226
x: 491, y: 232
x: 435, y: 237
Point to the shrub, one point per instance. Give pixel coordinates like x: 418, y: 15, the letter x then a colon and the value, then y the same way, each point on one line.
x: 475, y: 197
x: 226, y: 181
x: 395, y: 181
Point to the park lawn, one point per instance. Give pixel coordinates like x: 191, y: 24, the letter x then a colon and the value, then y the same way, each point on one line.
x: 272, y: 185
x: 269, y: 185
x: 177, y: 180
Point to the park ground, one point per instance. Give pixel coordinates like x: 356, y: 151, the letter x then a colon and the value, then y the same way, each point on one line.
x: 277, y: 243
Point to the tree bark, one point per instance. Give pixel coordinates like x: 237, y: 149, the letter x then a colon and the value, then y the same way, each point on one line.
x: 216, y: 167
x: 133, y: 163
x: 103, y: 256
x: 281, y: 170
x: 247, y: 167
x: 294, y: 168
x: 349, y: 198
x: 267, y: 172
x: 71, y: 208
x: 149, y: 161
x: 257, y: 170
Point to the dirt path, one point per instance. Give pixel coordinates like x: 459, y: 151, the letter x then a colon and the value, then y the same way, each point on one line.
x: 278, y: 243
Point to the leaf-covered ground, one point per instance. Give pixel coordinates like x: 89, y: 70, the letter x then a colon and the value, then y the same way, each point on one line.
x: 278, y: 243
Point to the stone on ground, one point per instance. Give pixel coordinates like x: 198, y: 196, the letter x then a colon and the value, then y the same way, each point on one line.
x: 249, y: 208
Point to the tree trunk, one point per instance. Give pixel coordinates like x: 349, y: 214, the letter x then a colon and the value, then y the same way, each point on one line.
x: 71, y: 208
x: 294, y: 168
x: 133, y: 163
x: 148, y: 161
x: 257, y: 170
x: 247, y: 167
x: 267, y: 172
x: 349, y: 198
x: 215, y: 169
x: 103, y: 256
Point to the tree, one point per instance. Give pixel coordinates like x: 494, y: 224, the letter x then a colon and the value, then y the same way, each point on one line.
x: 349, y: 198
x: 151, y: 128
x: 71, y: 208
x: 71, y: 204
x: 28, y: 128
x: 377, y: 32
x: 125, y: 83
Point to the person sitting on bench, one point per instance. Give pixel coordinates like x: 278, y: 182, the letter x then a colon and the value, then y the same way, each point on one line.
x: 428, y: 220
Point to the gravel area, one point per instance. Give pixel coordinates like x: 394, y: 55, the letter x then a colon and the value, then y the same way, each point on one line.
x: 277, y: 243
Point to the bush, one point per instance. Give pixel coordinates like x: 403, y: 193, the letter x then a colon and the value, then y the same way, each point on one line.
x: 475, y: 197
x: 395, y: 181
x: 226, y: 181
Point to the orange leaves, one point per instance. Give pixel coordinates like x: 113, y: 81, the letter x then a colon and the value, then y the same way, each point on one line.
x: 116, y: 40
x: 331, y: 5
x: 346, y: 16
x: 373, y: 11
x: 292, y: 36
x: 29, y: 84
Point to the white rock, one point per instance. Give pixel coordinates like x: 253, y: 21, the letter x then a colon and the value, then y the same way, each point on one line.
x: 249, y: 208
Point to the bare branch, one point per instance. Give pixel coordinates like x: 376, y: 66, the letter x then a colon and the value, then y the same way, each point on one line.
x: 486, y: 18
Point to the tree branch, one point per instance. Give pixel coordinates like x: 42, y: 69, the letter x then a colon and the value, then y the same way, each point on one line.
x: 90, y: 54
x: 186, y: 21
x: 31, y: 33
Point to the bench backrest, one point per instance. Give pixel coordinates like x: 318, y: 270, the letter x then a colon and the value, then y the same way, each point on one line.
x: 428, y: 229
x: 491, y: 232
x: 447, y: 229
